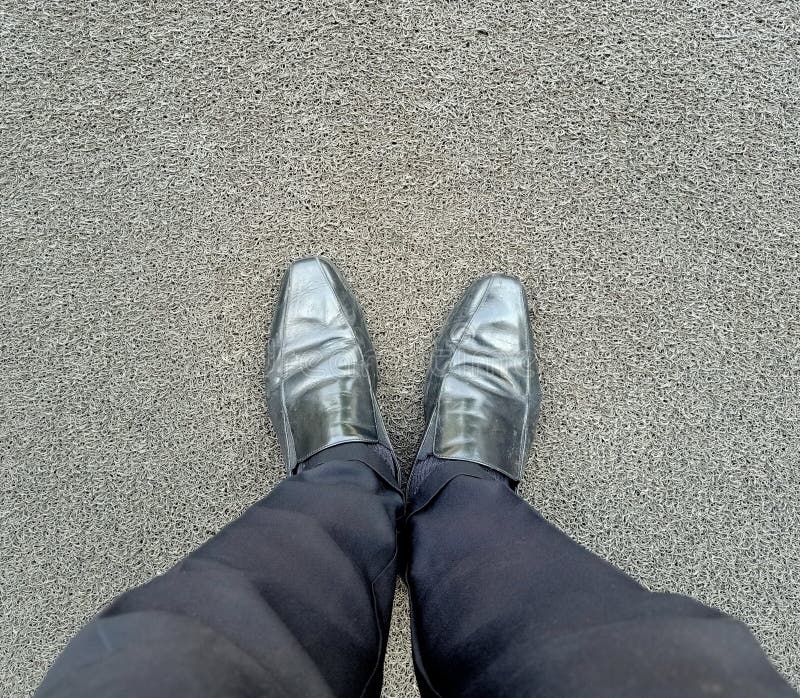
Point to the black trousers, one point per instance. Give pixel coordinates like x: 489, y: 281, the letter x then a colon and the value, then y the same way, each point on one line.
x: 294, y: 599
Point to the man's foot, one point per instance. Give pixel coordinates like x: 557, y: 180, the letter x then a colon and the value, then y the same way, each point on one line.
x: 321, y: 370
x: 482, y: 393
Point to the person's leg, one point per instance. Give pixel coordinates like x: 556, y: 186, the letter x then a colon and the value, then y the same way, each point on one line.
x: 293, y: 598
x: 503, y: 603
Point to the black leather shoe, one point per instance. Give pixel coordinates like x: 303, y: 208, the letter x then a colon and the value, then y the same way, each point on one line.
x: 321, y: 370
x: 482, y: 393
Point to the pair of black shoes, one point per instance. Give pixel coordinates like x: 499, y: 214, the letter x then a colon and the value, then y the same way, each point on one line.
x: 482, y: 391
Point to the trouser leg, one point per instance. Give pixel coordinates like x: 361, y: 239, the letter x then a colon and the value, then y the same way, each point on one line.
x: 503, y: 603
x: 293, y: 598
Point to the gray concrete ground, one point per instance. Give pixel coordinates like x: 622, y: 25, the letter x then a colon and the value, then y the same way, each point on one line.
x: 636, y: 164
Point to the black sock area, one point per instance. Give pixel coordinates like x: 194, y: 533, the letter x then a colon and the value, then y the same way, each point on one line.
x: 424, y: 469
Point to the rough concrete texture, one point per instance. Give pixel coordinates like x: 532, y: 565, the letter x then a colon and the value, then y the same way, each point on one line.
x: 636, y: 164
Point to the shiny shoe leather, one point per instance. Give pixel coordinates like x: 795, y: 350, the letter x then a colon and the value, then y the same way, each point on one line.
x: 482, y: 393
x: 321, y: 370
